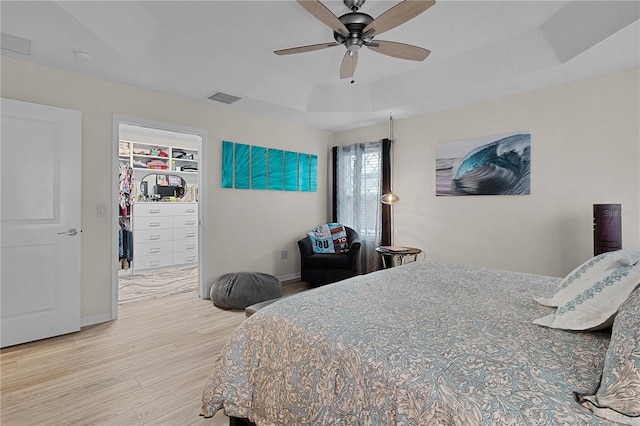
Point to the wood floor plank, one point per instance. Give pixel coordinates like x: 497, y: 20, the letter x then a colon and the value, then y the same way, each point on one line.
x: 146, y: 368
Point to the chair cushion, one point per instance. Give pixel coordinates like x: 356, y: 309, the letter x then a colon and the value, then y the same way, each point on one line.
x: 241, y: 289
x: 329, y: 261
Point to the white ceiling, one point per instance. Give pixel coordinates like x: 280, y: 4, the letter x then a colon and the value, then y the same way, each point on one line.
x: 480, y: 50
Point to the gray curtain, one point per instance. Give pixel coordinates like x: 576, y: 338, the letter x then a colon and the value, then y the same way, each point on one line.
x: 357, y: 192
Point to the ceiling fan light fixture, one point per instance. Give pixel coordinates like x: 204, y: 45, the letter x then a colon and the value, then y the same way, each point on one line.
x: 353, y: 44
x: 355, y: 29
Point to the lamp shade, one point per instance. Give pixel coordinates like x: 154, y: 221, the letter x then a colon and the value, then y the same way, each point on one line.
x: 390, y: 198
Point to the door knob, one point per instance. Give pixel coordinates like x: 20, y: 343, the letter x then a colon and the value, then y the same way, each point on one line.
x: 72, y: 232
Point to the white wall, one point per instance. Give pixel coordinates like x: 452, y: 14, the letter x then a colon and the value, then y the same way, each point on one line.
x: 246, y: 229
x: 585, y: 150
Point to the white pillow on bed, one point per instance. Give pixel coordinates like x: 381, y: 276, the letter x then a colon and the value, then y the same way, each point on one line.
x: 591, y: 271
x: 594, y: 304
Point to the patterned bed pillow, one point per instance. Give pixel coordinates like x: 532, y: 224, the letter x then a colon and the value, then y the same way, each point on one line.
x: 329, y: 238
x: 595, y: 306
x: 618, y: 397
x: 584, y: 275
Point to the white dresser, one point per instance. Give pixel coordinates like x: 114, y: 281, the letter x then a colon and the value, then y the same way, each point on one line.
x: 164, y: 234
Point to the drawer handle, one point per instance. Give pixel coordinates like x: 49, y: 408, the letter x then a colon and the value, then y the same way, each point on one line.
x: 190, y: 222
x: 154, y: 250
x: 154, y: 224
x: 190, y: 235
x: 154, y: 211
x: 191, y: 258
x: 154, y: 237
x: 154, y: 263
x: 190, y: 211
x: 190, y: 247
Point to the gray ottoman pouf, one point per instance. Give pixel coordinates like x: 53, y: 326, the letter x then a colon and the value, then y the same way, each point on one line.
x: 241, y: 289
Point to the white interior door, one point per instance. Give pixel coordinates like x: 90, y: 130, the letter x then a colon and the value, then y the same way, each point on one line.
x: 40, y: 221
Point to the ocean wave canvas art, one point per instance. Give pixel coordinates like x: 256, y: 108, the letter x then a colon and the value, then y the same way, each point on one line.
x: 493, y: 165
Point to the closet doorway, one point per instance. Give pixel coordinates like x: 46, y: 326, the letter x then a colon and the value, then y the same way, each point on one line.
x: 158, y: 198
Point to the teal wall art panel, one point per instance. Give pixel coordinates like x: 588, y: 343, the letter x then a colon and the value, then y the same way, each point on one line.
x: 303, y: 172
x: 313, y: 173
x: 275, y: 169
x: 290, y: 171
x: 242, y: 166
x: 258, y: 167
x: 227, y: 164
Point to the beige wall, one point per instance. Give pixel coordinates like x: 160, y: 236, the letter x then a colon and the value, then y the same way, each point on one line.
x: 585, y: 150
x: 246, y: 229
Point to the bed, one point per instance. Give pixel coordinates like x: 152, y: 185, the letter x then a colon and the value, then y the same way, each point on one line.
x: 424, y: 343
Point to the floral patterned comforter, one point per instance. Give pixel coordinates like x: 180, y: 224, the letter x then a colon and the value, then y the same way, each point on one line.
x: 420, y: 344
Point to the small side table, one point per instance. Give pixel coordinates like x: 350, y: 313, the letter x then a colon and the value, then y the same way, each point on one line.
x: 396, y: 255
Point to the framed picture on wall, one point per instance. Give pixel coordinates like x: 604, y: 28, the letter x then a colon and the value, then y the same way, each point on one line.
x: 492, y: 165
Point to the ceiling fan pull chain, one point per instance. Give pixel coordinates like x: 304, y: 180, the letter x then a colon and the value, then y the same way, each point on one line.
x: 352, y: 70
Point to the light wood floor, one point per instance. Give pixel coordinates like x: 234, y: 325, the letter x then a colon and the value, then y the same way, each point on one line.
x: 146, y: 368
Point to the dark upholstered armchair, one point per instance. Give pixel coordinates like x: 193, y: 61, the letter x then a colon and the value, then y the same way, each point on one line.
x: 324, y: 268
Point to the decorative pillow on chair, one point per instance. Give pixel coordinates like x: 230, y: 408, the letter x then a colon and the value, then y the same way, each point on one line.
x: 618, y: 397
x: 329, y: 238
x: 594, y: 304
x: 589, y: 272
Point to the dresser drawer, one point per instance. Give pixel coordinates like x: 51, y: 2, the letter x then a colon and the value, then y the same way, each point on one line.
x: 180, y: 209
x: 185, y: 234
x: 185, y: 257
x: 185, y: 221
x: 152, y: 261
x: 152, y: 222
x: 152, y: 209
x: 190, y: 245
x: 152, y: 235
x: 156, y: 247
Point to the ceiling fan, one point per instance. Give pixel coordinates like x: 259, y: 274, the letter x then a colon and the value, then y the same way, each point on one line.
x: 356, y: 29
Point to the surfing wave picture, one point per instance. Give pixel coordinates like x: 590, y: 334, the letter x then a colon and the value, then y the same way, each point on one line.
x: 494, y: 165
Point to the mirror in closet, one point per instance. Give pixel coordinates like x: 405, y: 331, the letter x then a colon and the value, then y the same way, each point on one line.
x: 156, y: 186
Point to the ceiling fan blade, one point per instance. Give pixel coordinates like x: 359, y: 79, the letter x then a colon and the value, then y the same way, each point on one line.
x: 399, y: 50
x: 323, y: 14
x: 302, y: 49
x: 349, y: 64
x: 397, y: 15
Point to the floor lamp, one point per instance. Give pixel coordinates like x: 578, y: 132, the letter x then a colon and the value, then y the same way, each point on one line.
x: 391, y: 198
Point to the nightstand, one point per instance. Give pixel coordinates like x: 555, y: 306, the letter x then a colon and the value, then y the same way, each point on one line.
x: 396, y: 255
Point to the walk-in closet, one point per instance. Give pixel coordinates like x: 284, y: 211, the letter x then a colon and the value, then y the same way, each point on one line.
x: 159, y: 176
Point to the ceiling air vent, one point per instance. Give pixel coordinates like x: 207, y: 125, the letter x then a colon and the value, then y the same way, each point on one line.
x: 224, y: 98
x: 15, y: 44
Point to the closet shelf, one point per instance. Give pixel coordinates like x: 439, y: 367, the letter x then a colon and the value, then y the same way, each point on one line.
x: 155, y: 157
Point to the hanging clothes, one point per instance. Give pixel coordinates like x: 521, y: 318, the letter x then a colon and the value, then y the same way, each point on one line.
x: 125, y: 241
x: 125, y: 201
x: 125, y: 189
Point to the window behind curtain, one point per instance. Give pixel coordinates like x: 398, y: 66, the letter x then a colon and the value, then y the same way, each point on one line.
x: 358, y: 188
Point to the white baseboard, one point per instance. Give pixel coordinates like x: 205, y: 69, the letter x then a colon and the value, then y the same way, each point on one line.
x: 289, y: 277
x: 98, y: 319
